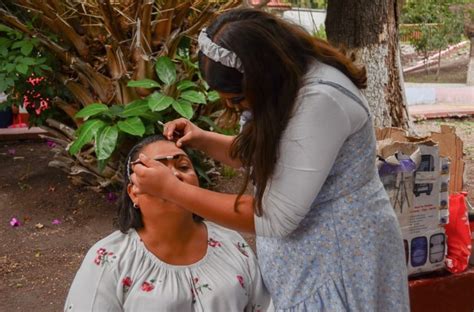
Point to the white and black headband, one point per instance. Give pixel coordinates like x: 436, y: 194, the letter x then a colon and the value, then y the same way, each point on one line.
x: 217, y: 53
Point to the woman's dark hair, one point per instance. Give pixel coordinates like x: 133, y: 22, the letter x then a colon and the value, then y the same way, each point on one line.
x: 128, y: 216
x: 275, y: 55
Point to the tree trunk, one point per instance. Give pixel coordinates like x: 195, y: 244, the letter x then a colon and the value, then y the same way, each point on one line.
x: 470, y: 70
x: 368, y: 29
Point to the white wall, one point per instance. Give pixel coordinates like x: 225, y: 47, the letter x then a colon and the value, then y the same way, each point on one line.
x: 310, y: 19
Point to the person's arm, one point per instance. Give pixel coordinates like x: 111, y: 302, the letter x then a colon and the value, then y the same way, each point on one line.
x: 155, y: 179
x: 308, y: 150
x: 215, y: 145
x: 94, y: 287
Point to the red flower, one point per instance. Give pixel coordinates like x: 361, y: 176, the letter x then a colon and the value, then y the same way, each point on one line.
x: 147, y: 286
x: 127, y: 282
x: 214, y: 243
x: 240, y: 278
x: 97, y: 260
x: 195, y: 280
x: 101, y: 251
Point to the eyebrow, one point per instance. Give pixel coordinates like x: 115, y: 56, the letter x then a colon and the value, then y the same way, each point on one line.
x: 169, y: 157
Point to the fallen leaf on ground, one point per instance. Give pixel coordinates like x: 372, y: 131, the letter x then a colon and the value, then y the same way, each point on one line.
x: 39, y: 225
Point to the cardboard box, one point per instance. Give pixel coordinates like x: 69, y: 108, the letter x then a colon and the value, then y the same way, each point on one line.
x: 450, y: 146
x: 419, y: 195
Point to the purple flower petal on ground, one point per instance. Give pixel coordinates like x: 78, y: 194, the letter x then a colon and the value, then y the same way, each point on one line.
x: 56, y: 221
x: 11, y: 151
x: 111, y: 197
x: 14, y: 222
x: 50, y: 143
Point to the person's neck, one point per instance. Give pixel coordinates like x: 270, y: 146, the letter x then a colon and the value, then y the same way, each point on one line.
x: 174, y: 237
x: 169, y: 229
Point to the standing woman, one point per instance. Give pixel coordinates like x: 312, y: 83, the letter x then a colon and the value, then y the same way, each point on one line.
x: 327, y: 236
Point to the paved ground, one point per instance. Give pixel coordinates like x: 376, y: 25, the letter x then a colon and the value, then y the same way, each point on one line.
x: 440, y: 111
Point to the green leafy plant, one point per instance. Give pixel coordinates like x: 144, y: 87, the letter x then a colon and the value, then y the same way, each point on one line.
x: 22, y: 69
x: 174, y: 95
x: 99, y: 47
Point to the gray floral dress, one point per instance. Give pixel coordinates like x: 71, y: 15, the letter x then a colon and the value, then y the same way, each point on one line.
x: 329, y: 239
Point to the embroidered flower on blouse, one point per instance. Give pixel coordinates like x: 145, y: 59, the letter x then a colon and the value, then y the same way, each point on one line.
x: 240, y: 278
x: 148, y: 286
x: 242, y: 247
x: 197, y: 287
x: 214, y: 243
x: 127, y: 282
x: 104, y: 257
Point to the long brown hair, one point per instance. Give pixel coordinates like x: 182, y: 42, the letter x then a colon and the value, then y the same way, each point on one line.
x: 275, y: 55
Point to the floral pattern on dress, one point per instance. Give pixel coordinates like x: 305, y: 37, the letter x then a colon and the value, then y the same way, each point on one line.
x: 126, y: 283
x: 197, y: 287
x: 256, y: 308
x: 148, y: 286
x: 213, y: 243
x: 243, y: 247
x: 104, y: 257
x: 240, y: 278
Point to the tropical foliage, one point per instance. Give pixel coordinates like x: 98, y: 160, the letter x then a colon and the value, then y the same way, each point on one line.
x: 125, y: 65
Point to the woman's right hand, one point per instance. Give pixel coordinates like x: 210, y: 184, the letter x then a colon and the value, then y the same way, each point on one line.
x: 184, y: 132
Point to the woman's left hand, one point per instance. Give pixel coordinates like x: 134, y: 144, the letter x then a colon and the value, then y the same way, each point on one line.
x: 152, y: 177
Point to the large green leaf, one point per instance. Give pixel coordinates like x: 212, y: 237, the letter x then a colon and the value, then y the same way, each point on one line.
x: 5, y: 42
x: 184, y: 108
x: 144, y: 83
x: 151, y: 116
x: 158, y: 102
x: 132, y: 125
x: 185, y: 84
x: 28, y: 61
x: 135, y: 108
x: 85, y: 134
x: 149, y: 129
x: 115, y: 110
x: 213, y: 96
x: 10, y: 67
x: 105, y: 142
x: 92, y: 110
x: 194, y: 96
x: 22, y: 68
x: 3, y: 50
x: 166, y: 70
x: 210, y: 123
x: 26, y: 48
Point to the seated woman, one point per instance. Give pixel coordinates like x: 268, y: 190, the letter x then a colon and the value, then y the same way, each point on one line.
x: 164, y: 258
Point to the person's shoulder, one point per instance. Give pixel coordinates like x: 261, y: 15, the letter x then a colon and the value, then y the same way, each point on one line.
x: 110, y: 248
x: 230, y: 239
x: 222, y: 232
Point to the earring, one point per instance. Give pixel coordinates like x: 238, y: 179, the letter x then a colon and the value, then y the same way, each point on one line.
x: 135, y: 206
